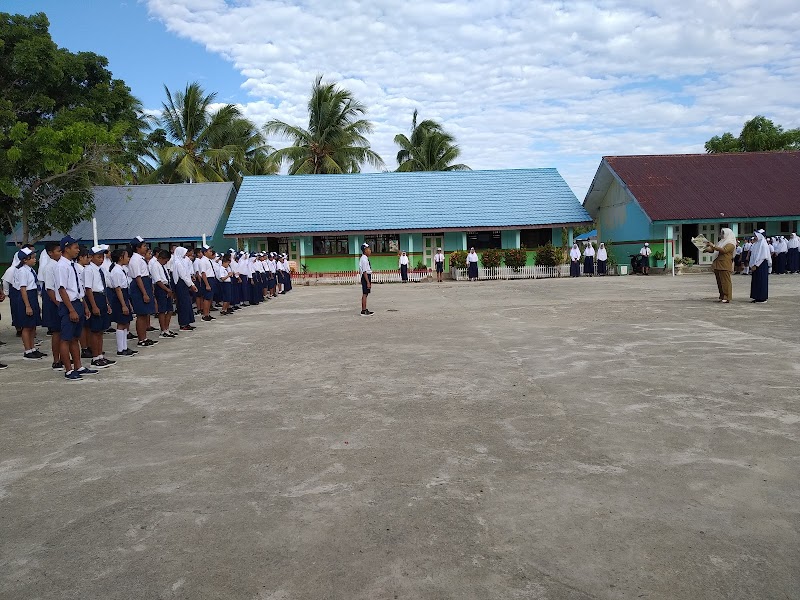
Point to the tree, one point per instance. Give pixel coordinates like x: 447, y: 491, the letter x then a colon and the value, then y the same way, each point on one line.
x: 430, y: 148
x: 335, y: 140
x: 64, y: 126
x: 195, y: 144
x: 759, y: 134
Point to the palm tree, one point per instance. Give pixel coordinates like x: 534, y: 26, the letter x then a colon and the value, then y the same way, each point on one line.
x: 335, y: 140
x: 430, y: 148
x: 195, y: 144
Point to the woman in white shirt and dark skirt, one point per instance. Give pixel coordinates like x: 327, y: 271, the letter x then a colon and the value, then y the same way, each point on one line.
x: 25, y: 300
x: 403, y: 267
x: 575, y: 261
x: 588, y: 260
x: 602, y: 259
x: 472, y: 265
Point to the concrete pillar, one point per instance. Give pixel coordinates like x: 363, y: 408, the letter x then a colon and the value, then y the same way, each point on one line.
x: 570, y: 236
x: 463, y: 240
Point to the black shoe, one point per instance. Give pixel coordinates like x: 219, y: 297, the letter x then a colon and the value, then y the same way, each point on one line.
x: 187, y: 328
x: 151, y: 329
x: 31, y: 356
x: 58, y: 366
x: 126, y: 352
x: 2, y: 343
x: 213, y: 309
x: 39, y: 354
x: 86, y: 353
x: 19, y: 333
x: 131, y: 336
x: 146, y: 343
x: 101, y: 363
x: 111, y: 330
x: 73, y: 376
x: 208, y: 318
x: 2, y: 366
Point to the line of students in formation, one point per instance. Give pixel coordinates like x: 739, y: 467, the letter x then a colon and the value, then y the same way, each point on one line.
x: 84, y: 290
x: 589, y: 256
x: 784, y: 252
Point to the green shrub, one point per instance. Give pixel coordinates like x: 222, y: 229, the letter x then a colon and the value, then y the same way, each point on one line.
x: 515, y: 257
x: 491, y: 258
x: 659, y: 255
x: 458, y: 259
x: 549, y: 256
x: 421, y: 266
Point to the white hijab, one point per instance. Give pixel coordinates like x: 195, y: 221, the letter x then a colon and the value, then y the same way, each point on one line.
x: 602, y: 253
x: 760, y: 251
x: 589, y: 250
x: 728, y: 237
x: 575, y: 252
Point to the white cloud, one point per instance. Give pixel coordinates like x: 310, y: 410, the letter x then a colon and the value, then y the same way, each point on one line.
x: 521, y: 84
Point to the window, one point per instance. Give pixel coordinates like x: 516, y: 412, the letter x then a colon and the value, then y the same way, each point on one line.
x: 483, y: 240
x: 533, y: 238
x: 786, y: 227
x: 388, y: 243
x: 746, y: 228
x: 761, y: 225
x: 330, y: 244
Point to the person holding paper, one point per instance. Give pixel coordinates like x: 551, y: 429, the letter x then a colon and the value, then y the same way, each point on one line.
x: 723, y: 263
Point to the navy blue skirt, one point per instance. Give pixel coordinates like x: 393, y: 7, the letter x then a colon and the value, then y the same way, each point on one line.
x: 19, y: 317
x: 140, y: 307
x: 101, y: 322
x: 227, y: 290
x: 472, y: 270
x: 271, y: 281
x: 117, y: 315
x: 164, y: 302
x: 759, y: 283
x: 183, y: 299
x: 287, y: 282
x: 588, y: 265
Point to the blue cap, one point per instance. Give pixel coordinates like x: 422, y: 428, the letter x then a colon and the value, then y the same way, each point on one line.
x: 137, y: 241
x: 24, y: 254
x: 68, y: 240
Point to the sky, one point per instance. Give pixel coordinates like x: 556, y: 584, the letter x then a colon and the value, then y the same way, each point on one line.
x: 520, y: 84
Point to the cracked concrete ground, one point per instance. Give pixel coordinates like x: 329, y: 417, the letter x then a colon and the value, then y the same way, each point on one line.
x: 561, y: 439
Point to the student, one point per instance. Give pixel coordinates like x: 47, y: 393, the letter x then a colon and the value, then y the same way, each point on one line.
x: 71, y: 309
x: 8, y: 278
x: 120, y: 299
x: 50, y: 318
x: 793, y: 254
x: 760, y: 262
x: 226, y: 274
x: 737, y: 258
x: 748, y: 245
x: 279, y: 273
x: 216, y: 263
x: 365, y: 270
x: 575, y: 261
x: 783, y: 255
x: 162, y: 291
x: 2, y: 298
x: 141, y: 291
x: 94, y: 278
x: 81, y: 263
x: 272, y: 265
x: 25, y: 294
x: 723, y: 263
x: 438, y: 263
x: 184, y: 286
x: 205, y: 274
x: 588, y: 260
x: 403, y: 264
x: 644, y: 258
x: 255, y: 282
x: 602, y: 259
x: 472, y: 265
x: 287, y: 275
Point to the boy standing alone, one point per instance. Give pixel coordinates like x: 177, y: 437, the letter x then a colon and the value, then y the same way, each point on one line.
x: 365, y: 270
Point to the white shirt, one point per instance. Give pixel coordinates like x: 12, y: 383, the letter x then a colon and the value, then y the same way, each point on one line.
x: 574, y: 253
x: 225, y: 273
x: 157, y: 272
x: 404, y: 260
x: 602, y: 254
x: 67, y: 278
x: 206, y: 267
x: 472, y: 257
x: 8, y: 278
x: 24, y: 277
x: 645, y: 251
x: 137, y: 267
x: 272, y: 266
x: 50, y: 275
x: 588, y: 251
x: 438, y: 257
x: 364, y: 266
x: 117, y: 278
x: 92, y: 279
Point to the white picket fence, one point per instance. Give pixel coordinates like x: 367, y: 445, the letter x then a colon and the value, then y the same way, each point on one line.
x: 526, y: 272
x: 353, y: 277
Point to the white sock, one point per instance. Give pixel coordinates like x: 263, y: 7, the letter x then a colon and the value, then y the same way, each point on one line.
x: 121, y: 339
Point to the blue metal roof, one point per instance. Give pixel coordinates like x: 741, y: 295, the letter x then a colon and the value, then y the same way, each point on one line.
x: 589, y: 235
x: 295, y: 204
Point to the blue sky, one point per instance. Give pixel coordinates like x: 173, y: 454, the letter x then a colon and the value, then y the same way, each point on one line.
x: 520, y: 84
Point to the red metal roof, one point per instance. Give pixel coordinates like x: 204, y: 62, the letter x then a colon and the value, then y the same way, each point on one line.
x: 712, y: 186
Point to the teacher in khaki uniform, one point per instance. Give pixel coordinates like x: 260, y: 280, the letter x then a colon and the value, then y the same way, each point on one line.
x: 723, y: 263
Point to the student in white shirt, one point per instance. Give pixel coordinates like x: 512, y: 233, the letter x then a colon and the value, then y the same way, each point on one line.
x: 225, y: 278
x: 287, y: 275
x: 403, y: 267
x: 272, y: 283
x: 184, y: 286
x: 94, y: 278
x: 644, y: 258
x: 162, y: 291
x: 602, y: 259
x: 588, y: 260
x: 205, y: 272
x: 71, y: 309
x: 50, y: 318
x: 120, y: 300
x: 575, y: 261
x: 472, y: 265
x: 81, y: 263
x: 365, y: 270
x: 141, y: 291
x: 25, y: 298
x: 438, y: 262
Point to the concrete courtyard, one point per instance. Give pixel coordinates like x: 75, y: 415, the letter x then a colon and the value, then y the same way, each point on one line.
x: 608, y: 438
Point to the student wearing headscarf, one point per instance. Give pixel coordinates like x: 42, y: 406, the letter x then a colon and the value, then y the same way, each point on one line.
x: 723, y: 263
x: 472, y: 265
x: 760, y: 262
x: 403, y: 267
x: 793, y: 253
x: 575, y: 261
x: 602, y: 259
x: 782, y: 252
x: 588, y: 260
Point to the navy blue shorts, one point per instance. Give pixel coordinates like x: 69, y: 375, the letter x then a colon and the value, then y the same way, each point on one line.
x: 366, y: 279
x: 50, y: 318
x: 162, y: 300
x: 101, y: 322
x: 227, y: 291
x: 69, y: 330
x: 440, y: 267
x: 208, y: 294
x: 140, y: 307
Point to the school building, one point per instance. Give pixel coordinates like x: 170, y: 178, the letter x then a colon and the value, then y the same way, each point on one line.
x: 163, y: 214
x: 667, y: 200
x: 320, y: 221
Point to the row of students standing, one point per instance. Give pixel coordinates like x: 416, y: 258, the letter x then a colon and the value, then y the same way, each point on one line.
x: 589, y: 255
x: 84, y: 290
